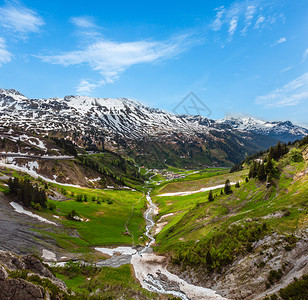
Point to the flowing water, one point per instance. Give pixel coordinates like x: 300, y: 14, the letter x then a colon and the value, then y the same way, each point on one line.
x: 151, y: 271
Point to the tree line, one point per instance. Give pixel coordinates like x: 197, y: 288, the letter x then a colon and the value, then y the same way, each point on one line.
x: 28, y: 194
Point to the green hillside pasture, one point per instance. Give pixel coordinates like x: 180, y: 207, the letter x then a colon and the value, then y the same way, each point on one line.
x: 208, y: 179
x: 283, y: 208
x: 105, y: 223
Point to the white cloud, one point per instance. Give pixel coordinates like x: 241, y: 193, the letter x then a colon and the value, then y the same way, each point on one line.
x: 85, y: 87
x: 259, y: 22
x: 305, y: 55
x: 216, y: 25
x: 250, y: 12
x: 20, y: 19
x: 5, y: 55
x: 280, y: 41
x: 233, y: 25
x: 240, y: 15
x: 110, y: 58
x: 293, y: 93
x: 83, y: 22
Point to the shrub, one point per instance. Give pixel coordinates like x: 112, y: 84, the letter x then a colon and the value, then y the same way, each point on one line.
x: 274, y: 276
x: 296, y: 155
x: 72, y: 215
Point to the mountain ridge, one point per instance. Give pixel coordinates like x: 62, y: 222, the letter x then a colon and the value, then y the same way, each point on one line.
x: 145, y: 133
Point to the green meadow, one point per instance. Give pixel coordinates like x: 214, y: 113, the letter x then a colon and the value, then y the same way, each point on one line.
x: 110, y: 217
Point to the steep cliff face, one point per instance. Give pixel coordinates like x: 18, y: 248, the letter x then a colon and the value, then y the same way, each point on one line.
x: 26, y: 278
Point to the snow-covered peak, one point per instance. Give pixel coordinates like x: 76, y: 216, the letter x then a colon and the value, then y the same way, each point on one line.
x: 263, y: 127
x: 125, y: 117
x: 11, y: 93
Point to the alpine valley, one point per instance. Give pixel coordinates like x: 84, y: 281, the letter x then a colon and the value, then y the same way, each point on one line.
x: 106, y: 198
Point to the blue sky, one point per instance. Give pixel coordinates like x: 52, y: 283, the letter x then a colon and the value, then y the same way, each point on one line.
x: 239, y: 57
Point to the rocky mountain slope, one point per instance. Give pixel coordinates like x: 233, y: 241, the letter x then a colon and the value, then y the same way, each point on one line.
x: 26, y: 278
x: 151, y: 136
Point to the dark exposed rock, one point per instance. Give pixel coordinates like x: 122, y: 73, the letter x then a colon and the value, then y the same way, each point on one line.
x: 15, y: 276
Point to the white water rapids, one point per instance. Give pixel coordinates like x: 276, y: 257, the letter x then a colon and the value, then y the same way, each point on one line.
x: 150, y: 269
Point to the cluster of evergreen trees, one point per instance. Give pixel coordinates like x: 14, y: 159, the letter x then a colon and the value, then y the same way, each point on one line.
x: 67, y: 145
x: 28, y: 194
x: 265, y: 169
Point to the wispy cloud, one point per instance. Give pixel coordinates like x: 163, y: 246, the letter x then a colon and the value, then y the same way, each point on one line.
x: 233, y: 25
x: 217, y: 23
x: 249, y: 15
x: 305, y: 55
x: 19, y: 19
x: 111, y: 58
x: 293, y: 93
x: 85, y: 87
x: 5, y: 55
x: 241, y: 15
x: 259, y: 22
x: 83, y: 22
x: 280, y: 41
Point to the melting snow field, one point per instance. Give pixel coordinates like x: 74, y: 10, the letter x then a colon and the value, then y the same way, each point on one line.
x: 149, y: 269
x: 18, y: 208
x: 30, y: 168
x: 48, y: 255
x: 194, y: 192
x: 119, y: 250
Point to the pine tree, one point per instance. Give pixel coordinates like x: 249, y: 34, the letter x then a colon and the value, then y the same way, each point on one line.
x: 227, y: 188
x: 261, y: 172
x: 209, y: 260
x: 210, y: 196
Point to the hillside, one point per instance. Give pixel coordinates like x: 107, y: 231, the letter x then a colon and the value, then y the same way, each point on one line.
x: 248, y: 244
x: 57, y: 160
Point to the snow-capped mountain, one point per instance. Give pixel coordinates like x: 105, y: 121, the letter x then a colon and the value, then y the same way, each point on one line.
x: 76, y: 113
x: 145, y: 133
x: 284, y: 131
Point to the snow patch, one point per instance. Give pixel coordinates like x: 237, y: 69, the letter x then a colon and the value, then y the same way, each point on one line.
x: 118, y: 250
x: 194, y: 192
x: 48, y: 255
x: 18, y: 208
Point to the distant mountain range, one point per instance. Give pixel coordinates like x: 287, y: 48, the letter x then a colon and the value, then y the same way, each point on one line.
x: 151, y: 136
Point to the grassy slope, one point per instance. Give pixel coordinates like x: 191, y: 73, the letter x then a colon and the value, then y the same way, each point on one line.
x: 196, y: 218
x: 112, y: 282
x: 194, y: 182
x: 106, y: 223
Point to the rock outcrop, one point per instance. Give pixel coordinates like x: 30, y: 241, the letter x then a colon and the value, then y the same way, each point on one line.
x: 26, y: 278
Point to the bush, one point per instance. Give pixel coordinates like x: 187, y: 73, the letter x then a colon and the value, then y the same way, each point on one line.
x: 274, y: 276
x: 51, y: 205
x: 73, y: 215
x: 79, y: 198
x: 296, y: 155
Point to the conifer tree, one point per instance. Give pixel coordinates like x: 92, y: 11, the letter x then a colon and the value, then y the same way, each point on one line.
x: 210, y: 196
x: 227, y: 188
